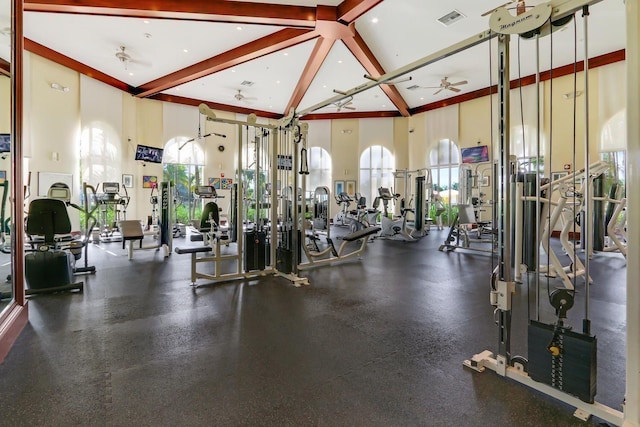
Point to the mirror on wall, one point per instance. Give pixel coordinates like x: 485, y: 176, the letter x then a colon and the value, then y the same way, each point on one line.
x: 6, y: 287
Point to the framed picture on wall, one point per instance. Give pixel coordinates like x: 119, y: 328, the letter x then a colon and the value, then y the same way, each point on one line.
x: 485, y: 181
x: 215, y: 182
x: 149, y: 181
x: 350, y: 188
x: 338, y: 186
x: 3, y: 176
x: 127, y: 180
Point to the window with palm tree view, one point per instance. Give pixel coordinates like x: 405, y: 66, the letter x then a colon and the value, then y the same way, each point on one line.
x: 184, y: 166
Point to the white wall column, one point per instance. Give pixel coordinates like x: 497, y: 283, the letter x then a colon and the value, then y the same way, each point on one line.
x: 632, y: 407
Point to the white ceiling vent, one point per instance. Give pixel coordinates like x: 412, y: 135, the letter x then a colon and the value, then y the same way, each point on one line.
x: 413, y: 87
x: 451, y: 17
x: 247, y: 83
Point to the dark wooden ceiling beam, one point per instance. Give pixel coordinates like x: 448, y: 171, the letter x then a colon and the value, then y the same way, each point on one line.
x: 316, y: 59
x: 5, y: 68
x: 275, y: 42
x: 197, y: 10
x: 351, y: 115
x: 214, y: 105
x: 81, y: 68
x: 365, y: 56
x: 350, y: 10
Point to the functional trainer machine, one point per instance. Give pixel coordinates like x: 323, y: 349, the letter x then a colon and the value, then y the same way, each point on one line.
x: 265, y: 226
x: 561, y: 361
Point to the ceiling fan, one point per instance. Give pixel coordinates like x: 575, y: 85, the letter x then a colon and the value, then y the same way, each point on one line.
x: 201, y: 136
x: 125, y: 58
x: 521, y: 7
x: 445, y: 84
x: 346, y: 104
x: 243, y: 98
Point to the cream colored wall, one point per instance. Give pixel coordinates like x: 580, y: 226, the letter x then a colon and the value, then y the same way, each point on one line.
x: 5, y: 98
x: 417, y: 147
x: 54, y: 124
x: 401, y: 142
x: 345, y: 152
x: 558, y: 122
x: 55, y: 128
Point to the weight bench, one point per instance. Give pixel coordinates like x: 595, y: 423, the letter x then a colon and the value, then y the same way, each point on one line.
x: 331, y: 254
x: 132, y: 231
x: 216, y: 258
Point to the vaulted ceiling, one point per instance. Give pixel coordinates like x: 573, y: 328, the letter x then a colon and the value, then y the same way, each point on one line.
x: 273, y: 55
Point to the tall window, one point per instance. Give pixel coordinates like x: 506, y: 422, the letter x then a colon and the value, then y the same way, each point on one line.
x: 613, y: 142
x: 376, y: 170
x: 319, y: 169
x: 444, y: 159
x: 183, y: 165
x: 99, y: 155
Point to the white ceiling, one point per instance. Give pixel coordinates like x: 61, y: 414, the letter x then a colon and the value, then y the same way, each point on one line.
x: 406, y: 30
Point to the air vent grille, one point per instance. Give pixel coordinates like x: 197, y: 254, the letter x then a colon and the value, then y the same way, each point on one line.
x: 451, y: 17
x: 413, y: 87
x: 247, y: 83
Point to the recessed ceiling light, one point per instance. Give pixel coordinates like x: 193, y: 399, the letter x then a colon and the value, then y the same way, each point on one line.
x: 374, y: 20
x: 177, y: 89
x: 384, y: 105
x: 239, y: 28
x: 278, y: 81
x: 270, y: 106
x: 131, y: 74
x: 422, y: 98
x: 339, y: 61
x: 145, y: 21
x: 233, y: 71
x: 324, y: 86
x: 286, y: 54
x: 185, y: 50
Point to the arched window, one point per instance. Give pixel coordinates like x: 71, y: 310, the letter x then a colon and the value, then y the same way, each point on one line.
x: 99, y: 154
x: 319, y: 169
x: 444, y: 159
x: 376, y: 170
x: 524, y: 147
x: 183, y: 165
x: 613, y: 143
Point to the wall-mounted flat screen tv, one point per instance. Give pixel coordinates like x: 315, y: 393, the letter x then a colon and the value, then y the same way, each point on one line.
x: 475, y: 154
x: 5, y: 142
x: 149, y: 154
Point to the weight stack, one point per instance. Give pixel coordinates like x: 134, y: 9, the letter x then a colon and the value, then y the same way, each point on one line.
x: 255, y: 254
x: 573, y: 370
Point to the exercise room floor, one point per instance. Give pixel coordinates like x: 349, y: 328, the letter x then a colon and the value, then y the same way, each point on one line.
x: 376, y: 342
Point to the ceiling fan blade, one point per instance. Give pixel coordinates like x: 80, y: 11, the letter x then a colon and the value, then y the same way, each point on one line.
x: 438, y: 91
x: 214, y: 134
x: 453, y: 89
x: 185, y: 143
x: 462, y: 82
